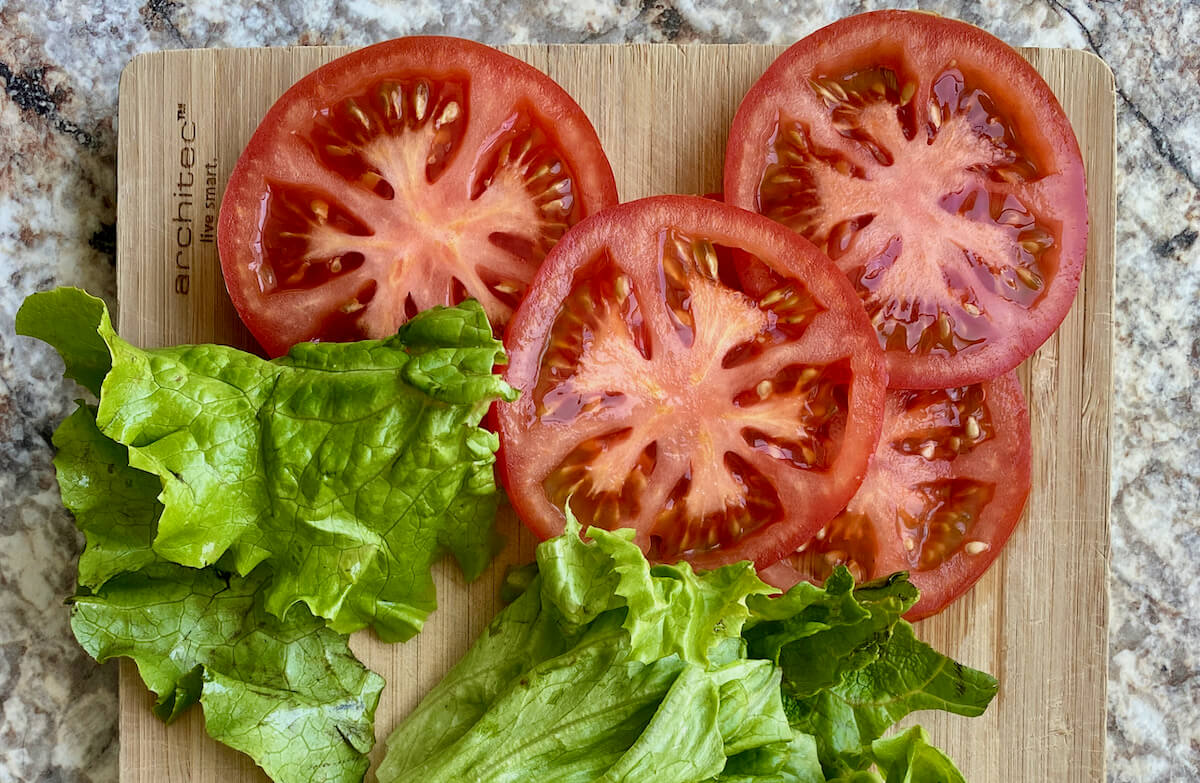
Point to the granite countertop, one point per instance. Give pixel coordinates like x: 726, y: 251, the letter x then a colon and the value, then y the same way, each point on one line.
x: 59, y: 68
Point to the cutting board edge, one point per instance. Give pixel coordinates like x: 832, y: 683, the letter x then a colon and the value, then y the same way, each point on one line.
x: 1109, y: 236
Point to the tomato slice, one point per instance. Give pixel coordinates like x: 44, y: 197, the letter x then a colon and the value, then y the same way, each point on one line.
x: 658, y: 395
x: 408, y: 174
x: 933, y: 164
x: 945, y: 489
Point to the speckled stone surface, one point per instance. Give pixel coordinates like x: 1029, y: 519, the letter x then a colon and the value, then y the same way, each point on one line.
x: 59, y: 67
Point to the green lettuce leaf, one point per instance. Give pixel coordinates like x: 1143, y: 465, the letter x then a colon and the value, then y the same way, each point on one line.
x: 794, y: 762
x: 201, y: 635
x: 603, y: 669
x: 819, y: 634
x: 909, y: 675
x: 670, y: 609
x: 288, y: 693
x: 519, y: 638
x: 68, y: 321
x: 349, y: 468
x: 608, y: 668
x: 114, y: 505
x: 858, y: 776
x: 909, y: 758
x: 591, y: 715
x: 851, y: 668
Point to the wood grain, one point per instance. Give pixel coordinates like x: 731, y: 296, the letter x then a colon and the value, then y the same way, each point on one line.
x: 1038, y: 619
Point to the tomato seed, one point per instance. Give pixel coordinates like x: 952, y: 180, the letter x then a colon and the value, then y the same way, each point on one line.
x: 420, y: 100
x: 976, y: 547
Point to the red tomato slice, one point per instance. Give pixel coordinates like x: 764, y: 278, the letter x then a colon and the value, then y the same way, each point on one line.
x: 658, y: 395
x: 937, y: 169
x: 945, y: 489
x: 408, y: 174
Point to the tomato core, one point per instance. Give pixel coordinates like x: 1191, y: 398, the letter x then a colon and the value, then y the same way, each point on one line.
x: 988, y: 241
x: 435, y: 238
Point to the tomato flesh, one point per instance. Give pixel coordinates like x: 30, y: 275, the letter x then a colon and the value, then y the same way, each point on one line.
x: 659, y: 395
x: 936, y: 168
x: 945, y: 490
x: 410, y: 174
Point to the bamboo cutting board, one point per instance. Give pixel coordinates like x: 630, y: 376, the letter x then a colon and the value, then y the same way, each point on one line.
x: 1038, y: 620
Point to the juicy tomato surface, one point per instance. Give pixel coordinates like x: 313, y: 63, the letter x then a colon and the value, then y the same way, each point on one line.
x: 660, y: 396
x: 933, y: 164
x: 413, y: 173
x: 944, y: 491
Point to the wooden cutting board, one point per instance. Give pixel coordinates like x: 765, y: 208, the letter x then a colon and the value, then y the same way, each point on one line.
x: 1038, y: 620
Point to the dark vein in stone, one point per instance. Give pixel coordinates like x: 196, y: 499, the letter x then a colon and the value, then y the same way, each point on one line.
x: 1161, y: 142
x: 28, y: 91
x: 1176, y: 244
x: 156, y: 15
x: 104, y: 240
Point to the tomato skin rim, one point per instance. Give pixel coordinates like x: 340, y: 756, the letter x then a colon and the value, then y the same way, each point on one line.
x: 567, y: 124
x: 527, y: 330
x: 1038, y: 107
x: 956, y: 576
x: 968, y: 569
